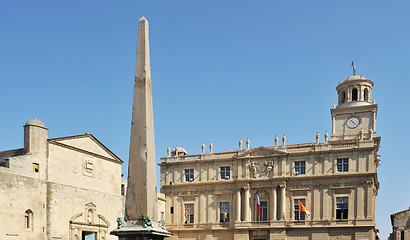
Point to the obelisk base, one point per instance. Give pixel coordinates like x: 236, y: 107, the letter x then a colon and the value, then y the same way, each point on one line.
x: 136, y: 231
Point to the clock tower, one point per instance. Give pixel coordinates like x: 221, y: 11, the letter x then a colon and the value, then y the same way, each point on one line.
x: 355, y: 114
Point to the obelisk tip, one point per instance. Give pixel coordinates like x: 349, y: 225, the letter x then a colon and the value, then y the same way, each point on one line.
x: 143, y: 19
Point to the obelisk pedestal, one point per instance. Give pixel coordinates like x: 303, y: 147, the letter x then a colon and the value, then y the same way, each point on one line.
x: 141, y: 198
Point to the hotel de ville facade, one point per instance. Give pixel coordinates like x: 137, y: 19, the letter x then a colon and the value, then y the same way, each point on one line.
x: 215, y: 195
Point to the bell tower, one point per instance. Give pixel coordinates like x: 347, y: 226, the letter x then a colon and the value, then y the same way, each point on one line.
x: 355, y: 114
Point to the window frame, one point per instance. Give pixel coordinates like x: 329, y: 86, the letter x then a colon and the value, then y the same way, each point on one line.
x: 36, y: 167
x: 297, y: 215
x: 342, y: 165
x: 189, y: 175
x: 28, y: 220
x: 264, y: 211
x: 337, y: 208
x: 221, y: 212
x: 298, y: 167
x: 190, y: 213
x: 225, y: 172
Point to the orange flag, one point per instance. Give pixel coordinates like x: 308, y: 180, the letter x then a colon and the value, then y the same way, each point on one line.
x: 302, y: 208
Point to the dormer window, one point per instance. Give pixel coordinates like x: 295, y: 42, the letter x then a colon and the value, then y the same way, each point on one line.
x: 354, y: 94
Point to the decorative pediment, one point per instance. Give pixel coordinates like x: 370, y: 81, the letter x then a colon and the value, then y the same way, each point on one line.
x: 262, y: 152
x: 91, y: 205
x: 103, y: 221
x: 90, y: 217
x: 86, y: 143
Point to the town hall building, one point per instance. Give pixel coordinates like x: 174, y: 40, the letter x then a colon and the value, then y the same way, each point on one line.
x: 255, y: 193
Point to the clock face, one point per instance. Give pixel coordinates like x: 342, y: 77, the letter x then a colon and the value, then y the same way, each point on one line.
x: 353, y: 122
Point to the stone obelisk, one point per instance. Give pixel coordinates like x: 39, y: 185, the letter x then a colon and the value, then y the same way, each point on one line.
x: 141, y: 198
x: 142, y: 181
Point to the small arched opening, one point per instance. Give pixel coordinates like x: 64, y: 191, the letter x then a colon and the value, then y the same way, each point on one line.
x: 28, y: 220
x: 343, y: 95
x: 354, y: 94
x: 366, y: 95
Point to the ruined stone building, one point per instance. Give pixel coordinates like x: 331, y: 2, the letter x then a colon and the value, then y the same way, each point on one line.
x: 254, y: 193
x: 400, y: 222
x: 63, y: 188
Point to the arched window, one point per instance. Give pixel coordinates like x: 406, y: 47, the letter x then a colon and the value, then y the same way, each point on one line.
x: 366, y: 95
x: 343, y: 94
x: 28, y: 219
x: 354, y: 94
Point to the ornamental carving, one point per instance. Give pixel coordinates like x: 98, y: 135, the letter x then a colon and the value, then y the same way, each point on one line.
x: 268, y: 168
x: 254, y: 170
x: 88, y: 166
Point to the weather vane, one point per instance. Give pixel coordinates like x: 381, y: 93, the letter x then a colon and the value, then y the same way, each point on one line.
x: 354, y: 68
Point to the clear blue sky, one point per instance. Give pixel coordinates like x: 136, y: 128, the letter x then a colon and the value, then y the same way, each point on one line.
x: 221, y: 70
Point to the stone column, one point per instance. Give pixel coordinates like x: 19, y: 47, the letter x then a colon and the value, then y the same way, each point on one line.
x: 196, y: 210
x: 316, y: 203
x: 360, y: 93
x: 202, y: 207
x: 374, y: 121
x: 370, y: 208
x: 170, y: 203
x: 360, y: 202
x: 238, y: 205
x: 324, y: 202
x: 246, y: 207
x: 283, y: 201
x: 273, y: 204
x: 175, y: 173
x: 210, y: 209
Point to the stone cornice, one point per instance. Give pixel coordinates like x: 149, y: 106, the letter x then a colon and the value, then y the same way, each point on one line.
x: 313, y: 149
x: 85, y: 152
x: 273, y: 181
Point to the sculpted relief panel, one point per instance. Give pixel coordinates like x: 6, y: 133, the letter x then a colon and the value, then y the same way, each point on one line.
x: 261, y: 169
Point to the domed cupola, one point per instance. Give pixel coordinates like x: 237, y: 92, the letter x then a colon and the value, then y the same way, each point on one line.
x: 355, y: 114
x: 354, y: 91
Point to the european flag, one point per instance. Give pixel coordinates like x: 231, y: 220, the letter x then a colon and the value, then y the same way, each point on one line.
x: 225, y: 212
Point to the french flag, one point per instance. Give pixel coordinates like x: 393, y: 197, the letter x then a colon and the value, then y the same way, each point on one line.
x: 258, y: 203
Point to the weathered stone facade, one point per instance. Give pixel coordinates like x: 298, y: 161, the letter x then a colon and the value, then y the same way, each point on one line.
x: 63, y: 188
x: 335, y: 180
x: 400, y: 222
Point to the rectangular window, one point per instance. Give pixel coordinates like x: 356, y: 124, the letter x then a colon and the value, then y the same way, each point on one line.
x: 264, y: 212
x: 36, y: 167
x: 189, y: 175
x: 342, y: 207
x: 189, y: 213
x: 171, y: 210
x: 300, y: 167
x: 225, y: 172
x: 224, y: 212
x: 299, y: 216
x: 122, y: 189
x: 4, y: 163
x: 343, y: 165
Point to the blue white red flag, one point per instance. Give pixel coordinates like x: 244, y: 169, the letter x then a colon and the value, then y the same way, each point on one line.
x: 258, y: 203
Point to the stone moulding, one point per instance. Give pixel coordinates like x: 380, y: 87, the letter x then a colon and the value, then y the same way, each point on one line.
x: 136, y: 229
